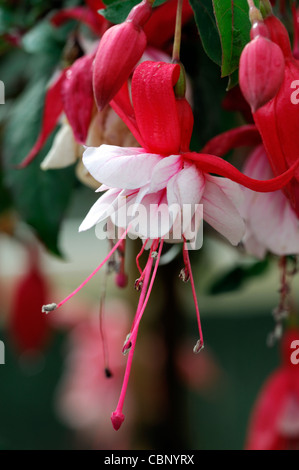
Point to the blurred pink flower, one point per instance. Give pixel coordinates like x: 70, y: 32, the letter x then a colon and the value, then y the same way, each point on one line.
x: 271, y: 223
x: 275, y: 420
x: 85, y: 394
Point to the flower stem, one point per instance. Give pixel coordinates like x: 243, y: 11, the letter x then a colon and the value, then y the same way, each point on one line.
x: 178, y: 33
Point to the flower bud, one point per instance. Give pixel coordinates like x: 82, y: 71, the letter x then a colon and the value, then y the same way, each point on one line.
x: 120, y: 49
x: 77, y: 91
x: 261, y: 70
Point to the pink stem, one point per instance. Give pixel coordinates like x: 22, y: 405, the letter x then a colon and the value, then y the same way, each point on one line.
x: 141, y: 311
x: 187, y: 259
x: 117, y: 417
x: 139, y: 255
x: 96, y: 270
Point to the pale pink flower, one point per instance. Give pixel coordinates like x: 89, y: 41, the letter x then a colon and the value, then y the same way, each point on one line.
x: 271, y: 223
x: 85, y: 394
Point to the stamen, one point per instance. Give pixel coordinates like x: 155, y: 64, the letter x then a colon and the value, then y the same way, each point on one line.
x: 200, y: 344
x: 107, y: 370
x: 51, y: 307
x: 127, y: 345
x: 198, y: 347
x: 121, y: 278
x: 140, y: 314
x: 184, y: 275
x: 117, y: 416
x: 140, y: 254
x: 117, y: 420
x: 138, y: 284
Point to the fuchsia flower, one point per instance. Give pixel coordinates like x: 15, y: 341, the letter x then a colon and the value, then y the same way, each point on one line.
x: 275, y: 420
x: 278, y: 120
x: 271, y: 222
x: 162, y: 171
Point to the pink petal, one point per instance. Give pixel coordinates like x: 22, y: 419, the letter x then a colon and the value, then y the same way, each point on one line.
x: 270, y: 217
x: 77, y: 97
x: 263, y: 430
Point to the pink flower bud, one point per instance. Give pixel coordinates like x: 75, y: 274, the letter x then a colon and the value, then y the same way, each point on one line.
x: 261, y: 70
x: 120, y: 49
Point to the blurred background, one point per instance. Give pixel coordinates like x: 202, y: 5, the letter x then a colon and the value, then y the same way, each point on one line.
x: 53, y: 390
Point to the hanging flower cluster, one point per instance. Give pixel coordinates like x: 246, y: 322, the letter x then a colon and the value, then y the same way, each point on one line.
x: 124, y: 107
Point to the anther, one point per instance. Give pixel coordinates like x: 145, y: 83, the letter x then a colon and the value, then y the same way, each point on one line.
x: 49, y: 308
x: 184, y: 275
x: 127, y: 345
x: 198, y: 347
x: 138, y: 285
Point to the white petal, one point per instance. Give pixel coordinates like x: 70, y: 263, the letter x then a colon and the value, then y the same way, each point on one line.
x: 63, y: 151
x: 220, y: 212
x: 152, y: 218
x: 232, y: 190
x: 163, y: 171
x: 186, y: 187
x: 118, y: 167
x: 102, y: 209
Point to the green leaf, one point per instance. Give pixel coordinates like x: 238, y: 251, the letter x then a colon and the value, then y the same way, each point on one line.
x: 235, y: 278
x: 234, y: 28
x: 118, y: 10
x: 207, y: 28
x: 41, y: 197
x: 46, y: 39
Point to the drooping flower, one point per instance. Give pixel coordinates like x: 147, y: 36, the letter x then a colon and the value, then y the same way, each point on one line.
x: 271, y: 223
x: 28, y: 329
x: 278, y: 120
x: 274, y: 423
x: 162, y: 173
